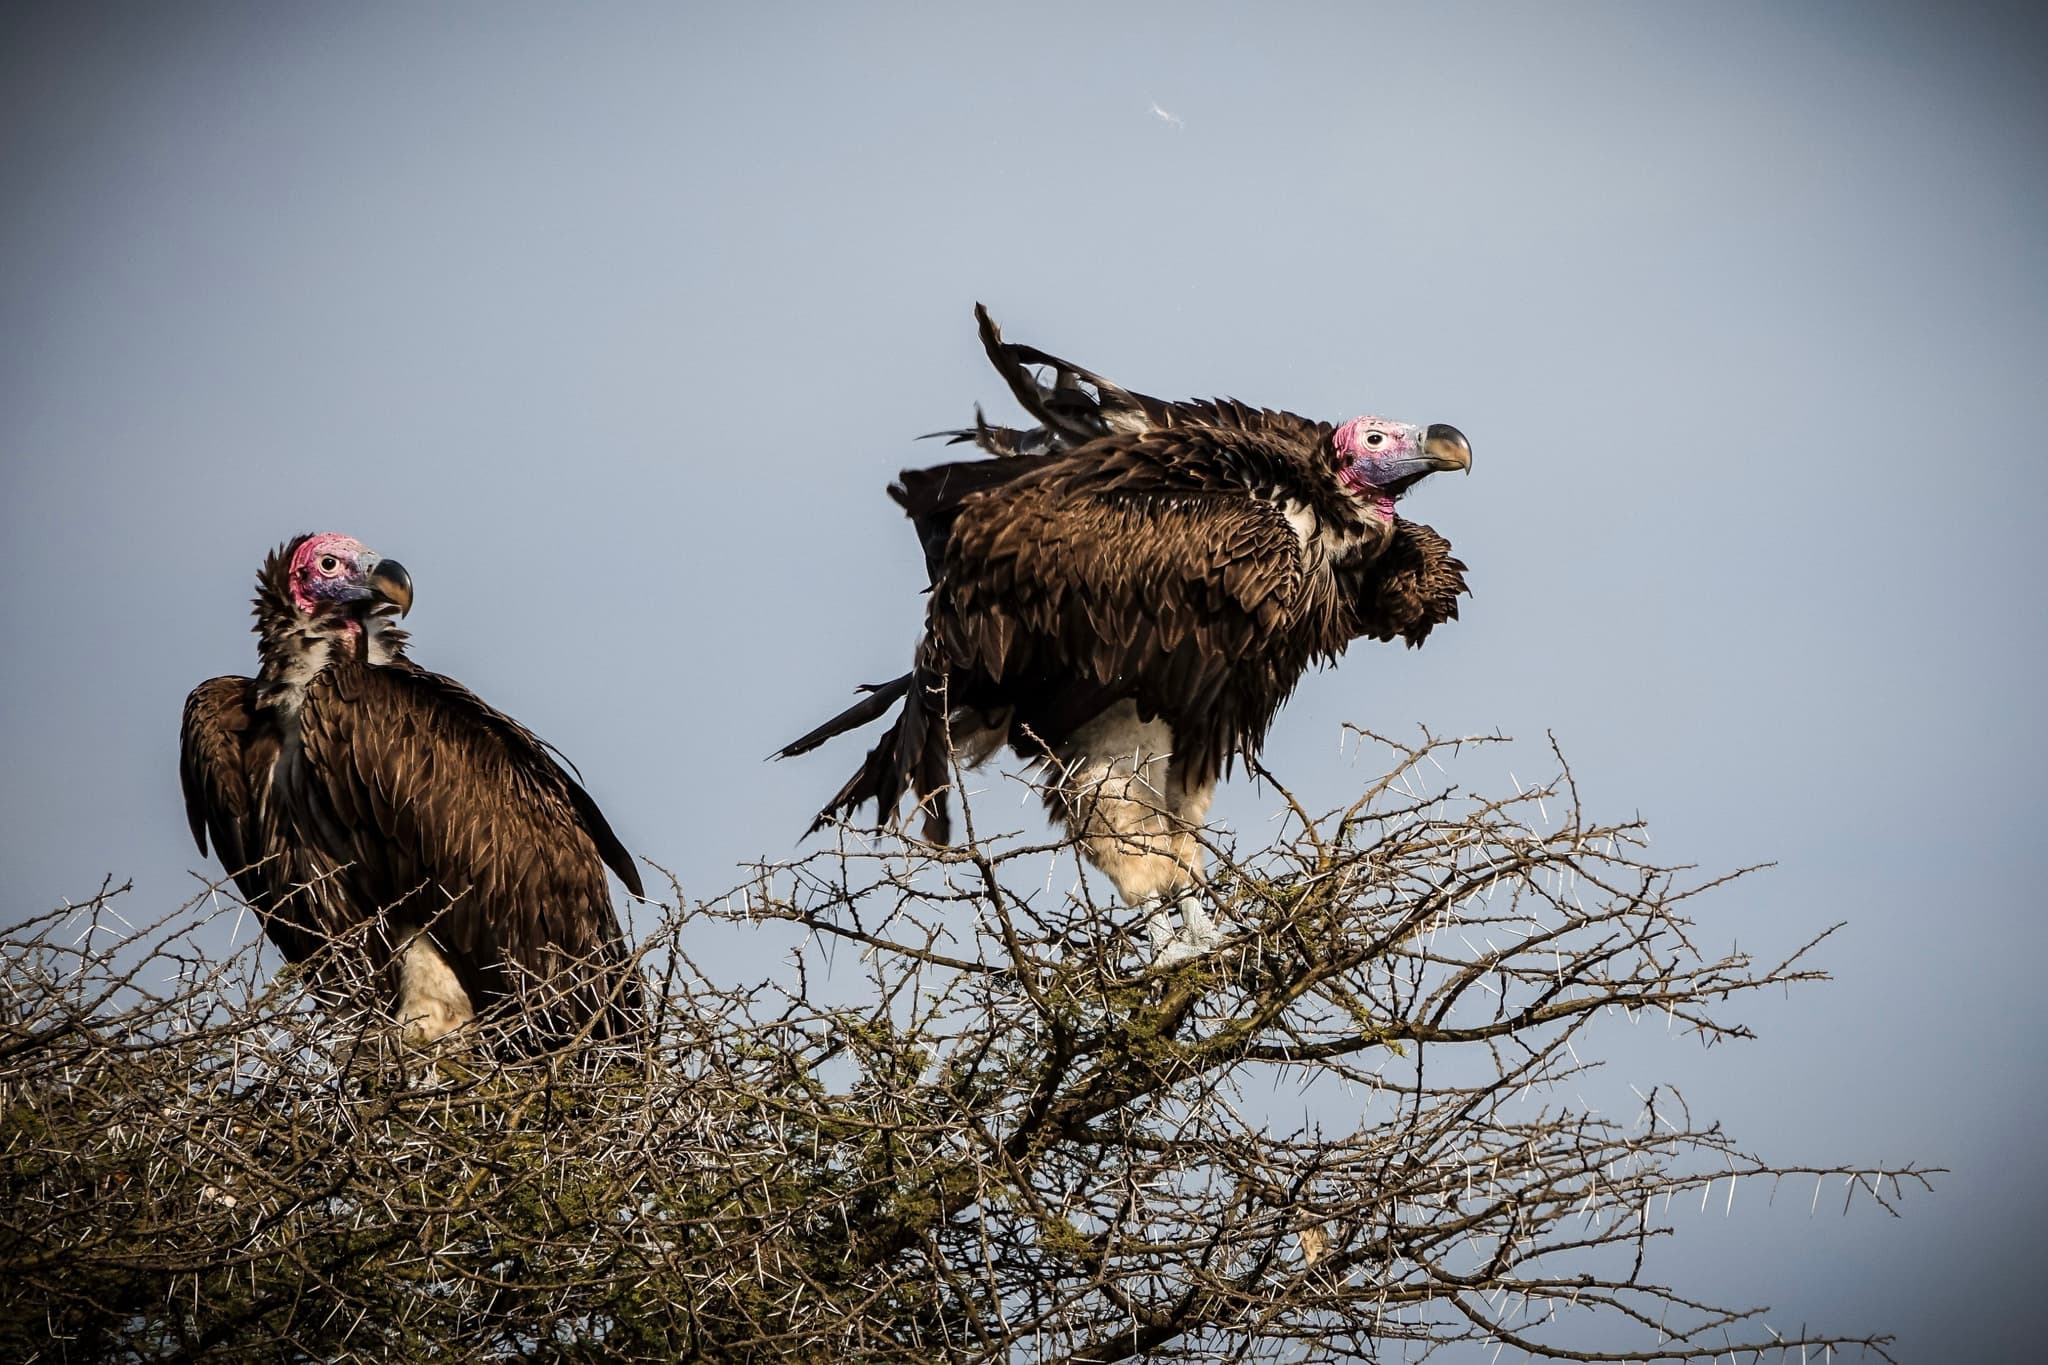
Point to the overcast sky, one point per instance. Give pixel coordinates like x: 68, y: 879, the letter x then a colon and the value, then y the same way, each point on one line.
x: 613, y: 323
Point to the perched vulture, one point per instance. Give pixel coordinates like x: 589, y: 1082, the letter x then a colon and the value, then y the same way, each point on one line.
x: 345, y: 784
x: 1127, y: 592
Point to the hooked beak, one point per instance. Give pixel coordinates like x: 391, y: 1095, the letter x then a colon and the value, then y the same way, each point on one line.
x: 1443, y: 447
x: 1447, y: 447
x: 390, y: 581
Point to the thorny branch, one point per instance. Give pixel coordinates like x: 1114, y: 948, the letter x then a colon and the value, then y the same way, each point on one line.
x: 981, y: 1129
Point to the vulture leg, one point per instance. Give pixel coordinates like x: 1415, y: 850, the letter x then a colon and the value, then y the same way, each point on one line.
x: 431, y: 1001
x: 1123, y: 797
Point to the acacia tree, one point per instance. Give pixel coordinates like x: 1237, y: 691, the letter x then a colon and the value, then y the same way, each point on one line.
x: 966, y: 1123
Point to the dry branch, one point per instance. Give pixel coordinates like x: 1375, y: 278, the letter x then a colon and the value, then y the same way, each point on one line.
x: 977, y: 1128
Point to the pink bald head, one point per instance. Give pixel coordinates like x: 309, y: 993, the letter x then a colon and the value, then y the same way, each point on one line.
x: 330, y: 570
x: 1379, y: 459
x: 1377, y: 438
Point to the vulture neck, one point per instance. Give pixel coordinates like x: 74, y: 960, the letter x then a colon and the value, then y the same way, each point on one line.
x: 295, y: 648
x: 1339, y: 533
x: 1331, y: 521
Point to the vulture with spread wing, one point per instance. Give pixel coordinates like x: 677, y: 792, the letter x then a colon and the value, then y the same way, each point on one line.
x: 344, y: 786
x: 1127, y: 592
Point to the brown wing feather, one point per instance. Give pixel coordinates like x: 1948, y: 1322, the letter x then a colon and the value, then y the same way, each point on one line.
x: 1132, y: 567
x: 227, y: 751
x: 1412, y: 586
x: 212, y: 769
x: 1161, y: 597
x: 459, y: 813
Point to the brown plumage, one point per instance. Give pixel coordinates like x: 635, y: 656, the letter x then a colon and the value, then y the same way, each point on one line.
x: 345, y: 784
x: 1147, y: 579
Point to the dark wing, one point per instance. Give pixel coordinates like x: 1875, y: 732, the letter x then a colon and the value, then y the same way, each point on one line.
x: 1069, y: 592
x: 226, y: 756
x: 214, y: 768
x: 933, y: 497
x: 1219, y: 447
x: 441, y: 797
x: 1412, y: 586
x: 1132, y: 567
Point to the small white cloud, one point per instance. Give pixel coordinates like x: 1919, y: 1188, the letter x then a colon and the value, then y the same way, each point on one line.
x: 1164, y: 117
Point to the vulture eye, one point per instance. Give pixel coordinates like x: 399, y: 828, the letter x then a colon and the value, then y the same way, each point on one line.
x: 1376, y: 439
x: 328, y: 563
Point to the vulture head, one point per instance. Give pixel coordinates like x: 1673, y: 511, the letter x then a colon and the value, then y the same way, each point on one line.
x: 1379, y: 459
x: 332, y: 575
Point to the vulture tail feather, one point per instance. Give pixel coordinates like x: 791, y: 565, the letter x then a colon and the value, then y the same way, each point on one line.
x: 880, y: 697
x: 609, y: 848
x: 910, y: 756
x: 1071, y: 414
x: 1022, y: 385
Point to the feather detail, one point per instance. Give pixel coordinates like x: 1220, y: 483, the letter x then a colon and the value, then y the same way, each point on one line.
x: 1192, y: 558
x: 345, y: 786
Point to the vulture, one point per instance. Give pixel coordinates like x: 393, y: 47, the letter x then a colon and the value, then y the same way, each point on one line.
x: 1126, y: 593
x: 346, y: 786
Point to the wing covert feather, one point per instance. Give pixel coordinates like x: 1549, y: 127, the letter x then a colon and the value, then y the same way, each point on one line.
x: 1160, y: 594
x: 214, y: 769
x: 445, y: 794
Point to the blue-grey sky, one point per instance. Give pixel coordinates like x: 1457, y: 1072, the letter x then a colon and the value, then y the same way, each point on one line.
x: 613, y: 323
